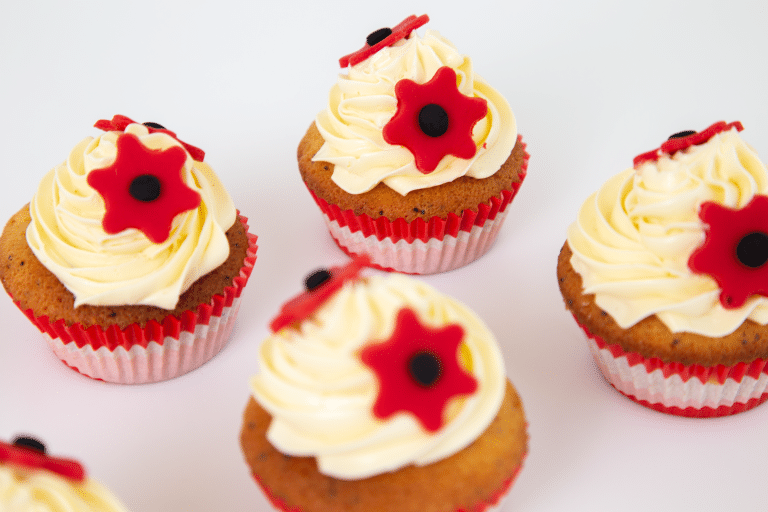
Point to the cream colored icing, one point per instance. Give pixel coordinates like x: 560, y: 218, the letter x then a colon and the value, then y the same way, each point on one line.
x: 633, y: 238
x: 364, y: 100
x: 320, y: 394
x: 41, y: 491
x: 66, y: 235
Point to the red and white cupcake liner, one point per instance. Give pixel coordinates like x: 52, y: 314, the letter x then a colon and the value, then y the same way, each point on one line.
x: 682, y: 390
x: 419, y: 246
x: 156, y: 351
x: 492, y: 504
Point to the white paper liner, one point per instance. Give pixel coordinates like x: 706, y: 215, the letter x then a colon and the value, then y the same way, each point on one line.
x: 419, y: 257
x: 674, y: 395
x: 156, y: 362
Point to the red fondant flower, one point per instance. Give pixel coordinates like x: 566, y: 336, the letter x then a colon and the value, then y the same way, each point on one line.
x: 143, y: 188
x: 21, y: 456
x: 383, y: 38
x: 119, y: 123
x: 418, y: 370
x: 434, y: 119
x: 326, y: 283
x: 676, y: 142
x: 735, y: 250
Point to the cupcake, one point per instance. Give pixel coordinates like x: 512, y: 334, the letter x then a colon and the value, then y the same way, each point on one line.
x: 665, y: 271
x: 32, y: 480
x: 131, y: 257
x: 379, y: 393
x: 416, y: 158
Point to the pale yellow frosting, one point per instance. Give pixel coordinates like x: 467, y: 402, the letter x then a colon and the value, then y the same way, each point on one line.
x: 125, y: 268
x: 41, y: 491
x: 320, y: 394
x: 632, y: 239
x: 364, y: 100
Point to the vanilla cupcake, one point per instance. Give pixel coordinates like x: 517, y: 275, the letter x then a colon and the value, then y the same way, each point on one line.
x: 665, y: 270
x: 131, y: 257
x: 416, y: 158
x: 31, y: 480
x: 379, y: 393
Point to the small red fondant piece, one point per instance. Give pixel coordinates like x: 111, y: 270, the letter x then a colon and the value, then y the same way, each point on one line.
x: 400, y: 31
x: 119, y: 123
x: 301, y: 306
x: 672, y: 146
x: 31, y: 459
x: 123, y: 211
x: 463, y: 113
x: 717, y: 257
x: 398, y: 390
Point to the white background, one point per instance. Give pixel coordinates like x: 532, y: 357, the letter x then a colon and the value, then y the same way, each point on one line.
x: 591, y: 85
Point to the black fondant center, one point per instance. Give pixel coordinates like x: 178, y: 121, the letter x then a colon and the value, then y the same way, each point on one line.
x: 433, y: 120
x: 317, y: 278
x: 425, y: 368
x: 145, y: 188
x: 156, y: 126
x: 30, y: 443
x: 680, y: 135
x: 752, y: 250
x: 378, y: 36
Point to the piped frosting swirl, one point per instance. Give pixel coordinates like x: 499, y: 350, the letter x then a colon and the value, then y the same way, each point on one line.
x: 23, y: 490
x: 126, y: 268
x: 633, y: 238
x: 364, y: 100
x: 320, y: 394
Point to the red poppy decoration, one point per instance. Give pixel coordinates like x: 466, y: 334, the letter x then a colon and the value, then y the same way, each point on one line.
x: 119, y: 123
x: 735, y: 250
x: 434, y: 119
x: 418, y: 370
x: 320, y: 286
x: 382, y: 38
x: 26, y: 453
x: 684, y: 140
x: 143, y: 189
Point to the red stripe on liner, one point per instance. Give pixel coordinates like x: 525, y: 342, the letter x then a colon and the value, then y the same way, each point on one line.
x: 719, y: 373
x: 419, y: 229
x: 96, y: 337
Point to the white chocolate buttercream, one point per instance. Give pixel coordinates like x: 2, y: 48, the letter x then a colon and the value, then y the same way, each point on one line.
x: 320, y: 394
x: 41, y: 491
x: 364, y: 100
x: 633, y: 238
x: 126, y: 268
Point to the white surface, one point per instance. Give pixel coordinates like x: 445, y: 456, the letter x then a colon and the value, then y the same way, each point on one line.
x: 591, y: 85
